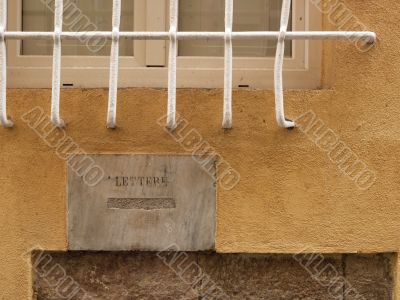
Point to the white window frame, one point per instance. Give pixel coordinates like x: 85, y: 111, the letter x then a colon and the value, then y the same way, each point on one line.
x: 148, y: 66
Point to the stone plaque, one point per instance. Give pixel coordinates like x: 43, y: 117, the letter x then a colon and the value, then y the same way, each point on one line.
x: 140, y: 202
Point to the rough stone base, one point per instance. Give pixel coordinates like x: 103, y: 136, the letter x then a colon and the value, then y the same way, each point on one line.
x: 177, y: 275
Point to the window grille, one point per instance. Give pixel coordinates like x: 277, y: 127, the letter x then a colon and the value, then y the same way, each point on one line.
x: 173, y: 36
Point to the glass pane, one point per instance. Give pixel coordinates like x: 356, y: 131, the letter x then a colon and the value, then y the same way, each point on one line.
x: 208, y: 15
x: 79, y: 15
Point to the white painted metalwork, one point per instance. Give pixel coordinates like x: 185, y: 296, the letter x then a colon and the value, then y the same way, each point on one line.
x: 227, y: 118
x: 3, y: 61
x: 278, y: 72
x: 173, y: 35
x: 113, y: 87
x: 55, y: 93
x: 368, y: 36
x: 173, y: 52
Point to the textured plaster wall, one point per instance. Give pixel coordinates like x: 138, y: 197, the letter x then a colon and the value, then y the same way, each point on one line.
x: 290, y: 196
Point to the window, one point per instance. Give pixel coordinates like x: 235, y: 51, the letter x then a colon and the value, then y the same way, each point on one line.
x: 208, y: 15
x: 143, y: 63
x: 92, y: 15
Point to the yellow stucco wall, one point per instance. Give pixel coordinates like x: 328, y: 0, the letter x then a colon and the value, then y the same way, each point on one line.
x: 290, y: 196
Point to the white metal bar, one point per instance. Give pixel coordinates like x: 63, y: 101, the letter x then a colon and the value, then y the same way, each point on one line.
x: 243, y: 35
x: 173, y: 36
x: 227, y: 113
x: 368, y: 36
x: 173, y: 52
x: 280, y: 53
x: 55, y: 94
x: 114, y: 59
x: 5, y: 122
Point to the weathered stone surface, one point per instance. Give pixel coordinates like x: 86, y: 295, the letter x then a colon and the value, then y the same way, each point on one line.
x: 114, y: 276
x: 201, y: 276
x: 143, y: 202
x: 370, y: 276
x: 266, y: 276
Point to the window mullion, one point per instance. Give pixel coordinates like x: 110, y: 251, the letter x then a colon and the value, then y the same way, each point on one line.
x: 155, y: 21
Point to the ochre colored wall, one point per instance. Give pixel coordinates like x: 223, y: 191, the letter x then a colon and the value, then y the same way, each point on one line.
x: 290, y: 196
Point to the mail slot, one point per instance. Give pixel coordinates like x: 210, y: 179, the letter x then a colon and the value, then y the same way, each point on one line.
x: 141, y: 202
